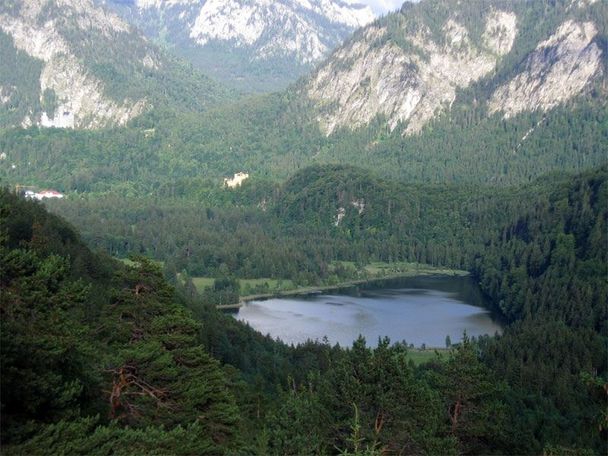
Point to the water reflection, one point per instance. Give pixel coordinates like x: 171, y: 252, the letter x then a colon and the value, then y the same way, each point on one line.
x: 416, y: 310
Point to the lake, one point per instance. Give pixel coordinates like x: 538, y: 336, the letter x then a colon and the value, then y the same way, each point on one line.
x: 418, y: 310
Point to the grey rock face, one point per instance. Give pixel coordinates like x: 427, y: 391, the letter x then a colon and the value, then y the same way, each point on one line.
x: 81, y: 101
x: 409, y: 70
x: 558, y: 70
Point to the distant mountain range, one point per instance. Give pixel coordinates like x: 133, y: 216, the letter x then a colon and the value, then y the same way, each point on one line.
x: 255, y: 45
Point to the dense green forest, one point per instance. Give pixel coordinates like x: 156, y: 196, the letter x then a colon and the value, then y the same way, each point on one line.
x: 107, y: 346
x: 167, y: 154
x: 291, y: 231
x: 110, y: 358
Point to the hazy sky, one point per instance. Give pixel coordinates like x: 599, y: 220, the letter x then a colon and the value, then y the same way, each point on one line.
x: 382, y: 6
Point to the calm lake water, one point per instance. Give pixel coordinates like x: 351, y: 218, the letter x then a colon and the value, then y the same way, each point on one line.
x: 416, y: 310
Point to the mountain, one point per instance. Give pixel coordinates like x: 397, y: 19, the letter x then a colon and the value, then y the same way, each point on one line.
x: 71, y: 64
x: 255, y: 45
x: 523, y: 94
x: 482, y: 91
x: 509, y: 57
x: 106, y: 357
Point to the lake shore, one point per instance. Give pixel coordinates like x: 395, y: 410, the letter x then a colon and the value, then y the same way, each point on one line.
x: 423, y: 271
x: 419, y: 310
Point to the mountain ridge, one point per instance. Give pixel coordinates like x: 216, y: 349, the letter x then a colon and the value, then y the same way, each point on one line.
x: 458, y: 138
x: 411, y: 66
x: 87, y: 68
x: 255, y: 45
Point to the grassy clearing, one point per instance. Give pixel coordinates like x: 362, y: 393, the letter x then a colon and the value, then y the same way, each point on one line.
x: 272, y: 283
x: 254, y: 286
x: 381, y: 269
x: 202, y: 282
x: 249, y: 286
x: 372, y: 271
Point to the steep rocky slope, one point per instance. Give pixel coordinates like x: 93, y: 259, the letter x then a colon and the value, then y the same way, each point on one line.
x: 411, y: 66
x: 557, y: 70
x: 496, y: 92
x: 255, y: 44
x: 70, y: 64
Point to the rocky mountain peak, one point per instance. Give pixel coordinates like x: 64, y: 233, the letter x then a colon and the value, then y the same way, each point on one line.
x: 247, y: 23
x: 407, y: 82
x: 75, y: 64
x: 266, y: 36
x: 38, y: 28
x: 557, y: 70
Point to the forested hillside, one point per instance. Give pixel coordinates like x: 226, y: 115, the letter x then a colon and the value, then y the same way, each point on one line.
x: 112, y: 359
x: 546, y: 271
x: 474, y: 137
x: 321, y: 215
x: 294, y: 231
x: 98, y: 357
x: 551, y: 261
x: 167, y: 154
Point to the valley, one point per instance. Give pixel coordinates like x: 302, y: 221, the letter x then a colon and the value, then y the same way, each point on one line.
x: 263, y: 46
x: 427, y: 188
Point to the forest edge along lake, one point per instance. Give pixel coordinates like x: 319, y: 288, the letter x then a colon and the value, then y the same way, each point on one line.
x: 417, y: 310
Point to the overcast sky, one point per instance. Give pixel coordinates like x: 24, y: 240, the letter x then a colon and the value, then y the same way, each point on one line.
x: 382, y: 6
